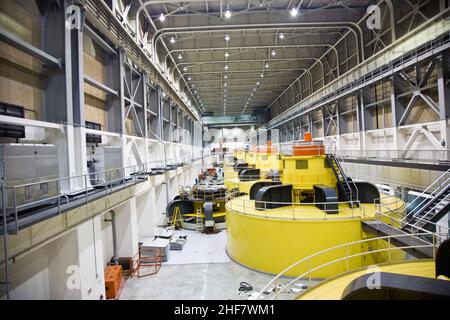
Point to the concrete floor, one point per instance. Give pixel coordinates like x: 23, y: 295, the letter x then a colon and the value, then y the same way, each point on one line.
x: 188, y: 277
x: 215, y: 281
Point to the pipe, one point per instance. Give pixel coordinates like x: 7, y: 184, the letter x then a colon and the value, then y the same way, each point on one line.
x: 114, y: 236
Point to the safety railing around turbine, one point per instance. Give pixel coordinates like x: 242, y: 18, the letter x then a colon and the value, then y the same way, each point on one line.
x: 346, y: 254
x: 239, y: 203
x: 214, y: 194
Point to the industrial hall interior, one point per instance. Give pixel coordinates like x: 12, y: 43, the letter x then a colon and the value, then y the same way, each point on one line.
x: 224, y: 150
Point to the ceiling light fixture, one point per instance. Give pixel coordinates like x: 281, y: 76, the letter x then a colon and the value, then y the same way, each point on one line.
x: 225, y: 77
x: 281, y: 35
x: 227, y: 54
x: 180, y: 56
x: 228, y: 14
x: 294, y: 12
x: 189, y: 78
x: 267, y: 65
x: 226, y: 67
x: 273, y: 53
x: 227, y: 37
x: 185, y: 69
x: 172, y: 40
x: 262, y: 75
x: 162, y: 17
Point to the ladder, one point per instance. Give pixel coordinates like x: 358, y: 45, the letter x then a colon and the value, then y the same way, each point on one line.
x: 350, y: 192
x: 199, y: 220
x: 176, y: 218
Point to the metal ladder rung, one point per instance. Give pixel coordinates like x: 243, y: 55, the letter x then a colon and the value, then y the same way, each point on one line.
x: 199, y: 220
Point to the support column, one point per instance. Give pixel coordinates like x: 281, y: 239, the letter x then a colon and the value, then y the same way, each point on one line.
x: 90, y: 256
x: 145, y: 115
x: 444, y: 90
x: 444, y: 104
x: 64, y: 93
x: 361, y: 118
x: 127, y: 229
x: 120, y: 120
x: 79, y: 135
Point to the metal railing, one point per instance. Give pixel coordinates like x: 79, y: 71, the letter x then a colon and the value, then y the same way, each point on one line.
x: 63, y: 191
x: 394, y: 212
x: 214, y: 194
x: 338, y: 159
x: 391, y: 204
x: 443, y: 232
x: 361, y: 75
x: 435, y: 207
x: 345, y: 259
x: 293, y: 211
x: 428, y: 194
x: 410, y: 156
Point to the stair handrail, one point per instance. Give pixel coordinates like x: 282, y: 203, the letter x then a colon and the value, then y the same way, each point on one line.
x: 429, y: 201
x: 278, y: 290
x: 439, y: 235
x: 421, y: 218
x: 352, y: 181
x: 334, y: 156
x: 425, y: 195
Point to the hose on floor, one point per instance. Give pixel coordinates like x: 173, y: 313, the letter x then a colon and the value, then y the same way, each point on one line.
x: 245, y: 287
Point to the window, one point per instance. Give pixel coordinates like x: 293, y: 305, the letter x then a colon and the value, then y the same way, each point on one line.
x: 301, y: 164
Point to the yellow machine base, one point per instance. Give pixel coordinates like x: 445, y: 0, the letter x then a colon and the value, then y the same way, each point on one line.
x: 270, y: 241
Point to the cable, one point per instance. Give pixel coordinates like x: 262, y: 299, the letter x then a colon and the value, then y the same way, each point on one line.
x: 245, y: 287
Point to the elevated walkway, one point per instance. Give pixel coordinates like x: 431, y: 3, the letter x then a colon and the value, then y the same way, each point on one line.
x: 20, y: 215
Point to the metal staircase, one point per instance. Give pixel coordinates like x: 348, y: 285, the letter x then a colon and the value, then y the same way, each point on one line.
x: 434, y: 206
x: 346, y: 184
x: 419, y: 227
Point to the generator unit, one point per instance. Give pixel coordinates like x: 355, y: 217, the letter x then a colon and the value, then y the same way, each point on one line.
x: 31, y: 167
x: 102, y: 159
